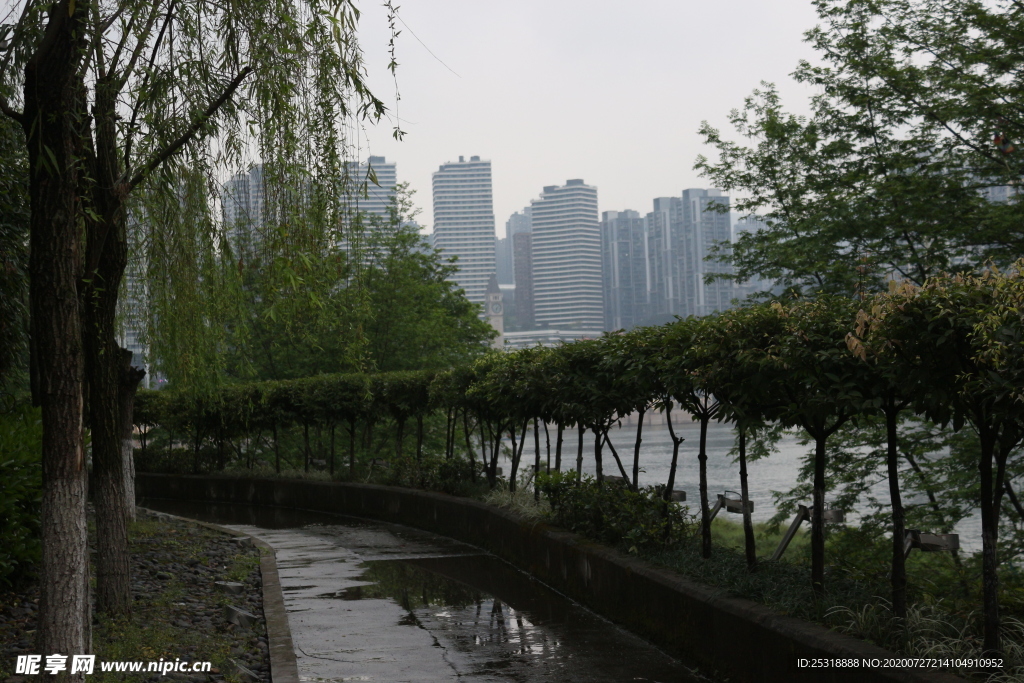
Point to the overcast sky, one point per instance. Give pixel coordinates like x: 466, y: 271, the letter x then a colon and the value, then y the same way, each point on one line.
x: 612, y: 93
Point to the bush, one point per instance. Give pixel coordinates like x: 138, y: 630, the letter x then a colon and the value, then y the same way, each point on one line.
x: 614, y: 514
x: 21, y: 486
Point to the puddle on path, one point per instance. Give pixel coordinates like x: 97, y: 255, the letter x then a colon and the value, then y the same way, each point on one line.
x: 369, y: 601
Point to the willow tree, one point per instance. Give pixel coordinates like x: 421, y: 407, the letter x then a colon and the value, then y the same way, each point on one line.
x: 117, y: 98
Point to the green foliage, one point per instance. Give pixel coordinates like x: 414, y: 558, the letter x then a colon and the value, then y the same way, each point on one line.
x: 21, y: 481
x: 614, y: 514
x: 14, y: 214
x: 891, y: 173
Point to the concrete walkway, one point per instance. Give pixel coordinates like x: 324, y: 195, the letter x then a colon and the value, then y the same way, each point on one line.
x: 368, y: 601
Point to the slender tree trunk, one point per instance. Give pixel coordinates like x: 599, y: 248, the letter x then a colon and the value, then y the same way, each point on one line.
x: 536, y: 459
x: 705, y: 510
x: 400, y: 434
x: 598, y: 442
x: 989, y: 562
x: 817, y: 516
x: 748, y: 525
x: 558, y: 447
x: 899, y: 564
x: 579, y: 452
x: 615, y: 456
x: 52, y: 84
x: 676, y: 441
x: 547, y: 440
x: 636, y: 450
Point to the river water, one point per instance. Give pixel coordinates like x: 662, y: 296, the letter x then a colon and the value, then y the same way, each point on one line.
x: 369, y: 601
x: 778, y: 472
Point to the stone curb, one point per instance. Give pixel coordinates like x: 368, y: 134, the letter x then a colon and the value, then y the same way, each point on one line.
x: 283, y: 666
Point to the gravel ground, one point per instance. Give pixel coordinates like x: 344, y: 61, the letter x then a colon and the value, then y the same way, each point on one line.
x: 178, y: 612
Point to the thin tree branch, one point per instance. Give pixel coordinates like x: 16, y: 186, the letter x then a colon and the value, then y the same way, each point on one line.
x: 130, y: 130
x: 191, y: 132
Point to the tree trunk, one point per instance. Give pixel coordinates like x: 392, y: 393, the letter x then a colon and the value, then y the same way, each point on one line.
x: 558, y: 448
x: 598, y: 442
x: 579, y: 452
x: 989, y: 562
x: 536, y: 459
x: 52, y: 84
x: 817, y: 516
x: 705, y: 511
x: 636, y: 450
x: 332, y: 450
x: 748, y: 525
x: 615, y: 456
x: 547, y: 440
x: 899, y: 564
x: 670, y: 487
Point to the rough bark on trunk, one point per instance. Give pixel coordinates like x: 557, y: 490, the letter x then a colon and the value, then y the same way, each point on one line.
x: 52, y: 84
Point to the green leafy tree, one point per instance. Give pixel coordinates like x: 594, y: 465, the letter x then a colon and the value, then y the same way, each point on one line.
x: 955, y: 337
x: 893, y: 172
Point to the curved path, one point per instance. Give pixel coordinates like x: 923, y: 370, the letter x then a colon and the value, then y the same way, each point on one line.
x: 370, y: 601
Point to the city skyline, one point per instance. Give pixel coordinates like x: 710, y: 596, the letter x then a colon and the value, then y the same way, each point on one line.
x: 488, y: 86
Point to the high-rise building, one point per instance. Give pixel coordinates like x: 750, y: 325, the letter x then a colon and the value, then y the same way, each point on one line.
x: 242, y: 205
x: 522, y: 261
x: 503, y: 260
x: 629, y: 262
x: 567, y: 281
x: 518, y: 222
x: 749, y: 224
x: 464, y: 222
x: 703, y: 221
x: 380, y: 195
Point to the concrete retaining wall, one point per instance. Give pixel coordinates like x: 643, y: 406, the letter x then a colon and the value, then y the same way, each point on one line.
x: 738, y: 638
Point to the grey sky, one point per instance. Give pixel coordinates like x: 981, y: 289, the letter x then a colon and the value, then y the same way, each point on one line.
x: 609, y: 92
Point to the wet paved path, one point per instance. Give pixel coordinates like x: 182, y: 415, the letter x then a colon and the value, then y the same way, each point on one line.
x: 369, y: 601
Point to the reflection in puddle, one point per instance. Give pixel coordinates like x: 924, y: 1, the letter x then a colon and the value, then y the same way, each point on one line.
x: 379, y: 602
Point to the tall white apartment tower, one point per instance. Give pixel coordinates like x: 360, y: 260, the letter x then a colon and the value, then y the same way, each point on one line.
x: 464, y: 222
x: 567, y: 280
